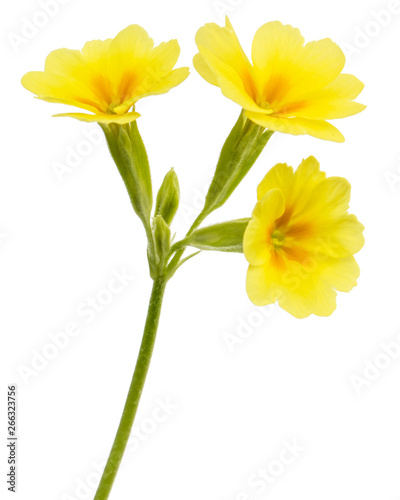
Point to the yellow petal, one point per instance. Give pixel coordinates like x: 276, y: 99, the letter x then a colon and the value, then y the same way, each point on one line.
x: 298, y: 126
x: 328, y: 110
x: 102, y: 117
x: 305, y: 290
x: 309, y: 287
x: 330, y: 199
x: 165, y: 84
x: 204, y: 69
x: 64, y: 62
x: 339, y: 237
x: 275, y: 42
x: 221, y: 61
x: 131, y: 44
x: 74, y: 73
x: 228, y: 79
x: 319, y: 300
x: 342, y: 274
x: 286, y: 69
x: 306, y: 177
x: 256, y: 241
x: 279, y: 177
x: 165, y: 56
x: 53, y: 88
x: 331, y: 102
x: 322, y: 61
x: 343, y: 87
x: 300, y: 290
x: 297, y: 186
x: 312, y: 290
x: 260, y: 287
x: 320, y: 129
x: 96, y: 50
x: 224, y: 44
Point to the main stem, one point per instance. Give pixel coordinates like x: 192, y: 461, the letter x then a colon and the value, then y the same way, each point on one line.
x: 135, y: 391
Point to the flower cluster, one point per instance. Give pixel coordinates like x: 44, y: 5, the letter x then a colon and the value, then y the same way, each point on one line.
x: 300, y: 240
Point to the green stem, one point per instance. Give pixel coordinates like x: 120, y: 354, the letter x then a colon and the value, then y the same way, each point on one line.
x: 179, y: 247
x: 135, y: 391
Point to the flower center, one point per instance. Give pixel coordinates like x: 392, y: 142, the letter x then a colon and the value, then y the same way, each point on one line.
x: 277, y: 238
x: 267, y: 108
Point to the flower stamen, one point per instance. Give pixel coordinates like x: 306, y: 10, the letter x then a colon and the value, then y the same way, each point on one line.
x: 277, y: 238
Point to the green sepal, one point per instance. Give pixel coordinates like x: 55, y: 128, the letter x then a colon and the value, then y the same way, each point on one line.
x: 141, y: 159
x: 223, y: 237
x: 167, y: 201
x: 129, y: 154
x: 239, y: 153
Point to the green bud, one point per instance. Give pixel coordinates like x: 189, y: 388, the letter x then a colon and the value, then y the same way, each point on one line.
x: 162, y: 241
x: 167, y: 201
x: 224, y: 237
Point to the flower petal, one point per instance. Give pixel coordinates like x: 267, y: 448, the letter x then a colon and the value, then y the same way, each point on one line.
x: 256, y: 244
x: 315, y: 299
x: 297, y: 186
x: 260, y: 287
x: 279, y: 177
x: 164, y: 84
x: 341, y: 237
x: 275, y: 42
x: 224, y: 44
x: 330, y: 199
x: 165, y: 56
x: 204, y: 69
x: 64, y: 62
x: 96, y: 50
x: 231, y: 84
x: 131, y: 44
x: 298, y: 126
x: 286, y: 69
x: 102, y: 117
x: 342, y: 274
x: 53, y: 88
x: 221, y: 61
x: 331, y: 102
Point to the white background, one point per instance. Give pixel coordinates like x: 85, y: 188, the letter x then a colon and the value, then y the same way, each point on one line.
x: 232, y: 410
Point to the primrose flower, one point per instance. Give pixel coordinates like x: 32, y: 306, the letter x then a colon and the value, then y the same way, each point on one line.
x: 300, y: 241
x: 108, y: 77
x: 290, y: 87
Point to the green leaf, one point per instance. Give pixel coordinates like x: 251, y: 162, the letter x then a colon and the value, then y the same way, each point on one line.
x: 223, y: 237
x: 167, y: 201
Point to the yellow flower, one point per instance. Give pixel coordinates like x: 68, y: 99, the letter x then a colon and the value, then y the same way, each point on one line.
x: 290, y: 87
x: 300, y: 240
x: 108, y: 77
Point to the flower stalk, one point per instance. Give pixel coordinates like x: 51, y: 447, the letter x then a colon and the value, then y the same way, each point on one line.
x: 241, y: 150
x: 135, y: 390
